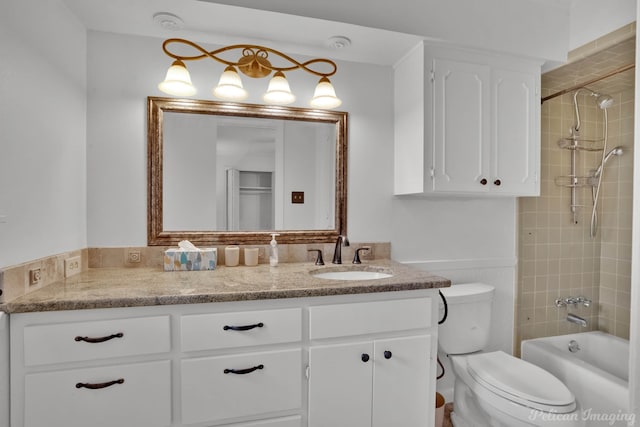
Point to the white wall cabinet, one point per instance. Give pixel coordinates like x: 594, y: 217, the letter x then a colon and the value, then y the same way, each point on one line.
x: 466, y: 122
x: 147, y: 367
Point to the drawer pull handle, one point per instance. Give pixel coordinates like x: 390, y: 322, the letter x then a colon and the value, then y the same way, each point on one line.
x: 243, y: 371
x: 387, y: 354
x: 101, y: 339
x: 497, y: 182
x: 99, y: 385
x: 243, y: 328
x: 483, y: 181
x: 364, y: 357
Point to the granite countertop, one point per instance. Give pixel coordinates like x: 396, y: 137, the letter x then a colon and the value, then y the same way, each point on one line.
x: 134, y: 287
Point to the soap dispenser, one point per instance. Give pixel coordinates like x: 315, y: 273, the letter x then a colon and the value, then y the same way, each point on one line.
x: 273, y: 256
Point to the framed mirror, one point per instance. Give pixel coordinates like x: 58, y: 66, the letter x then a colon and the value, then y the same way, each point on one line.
x: 222, y: 173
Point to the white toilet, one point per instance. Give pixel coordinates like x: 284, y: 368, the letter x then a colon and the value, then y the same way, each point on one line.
x: 496, y: 389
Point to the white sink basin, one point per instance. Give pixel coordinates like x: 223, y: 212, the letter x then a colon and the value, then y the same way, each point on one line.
x: 352, y: 275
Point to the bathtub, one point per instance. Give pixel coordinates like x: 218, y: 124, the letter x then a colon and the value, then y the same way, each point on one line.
x: 597, y: 373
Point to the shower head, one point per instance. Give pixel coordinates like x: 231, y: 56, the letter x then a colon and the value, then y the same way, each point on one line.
x: 603, y: 101
x: 616, y: 151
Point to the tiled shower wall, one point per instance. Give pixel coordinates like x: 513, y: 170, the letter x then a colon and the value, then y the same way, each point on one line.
x: 557, y: 256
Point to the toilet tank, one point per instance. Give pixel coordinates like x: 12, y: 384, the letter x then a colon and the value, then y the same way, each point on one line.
x: 468, y: 324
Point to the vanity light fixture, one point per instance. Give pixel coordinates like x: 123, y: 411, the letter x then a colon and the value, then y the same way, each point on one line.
x: 254, y: 63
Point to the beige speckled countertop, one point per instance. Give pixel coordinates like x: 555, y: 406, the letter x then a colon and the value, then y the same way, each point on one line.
x: 134, y: 287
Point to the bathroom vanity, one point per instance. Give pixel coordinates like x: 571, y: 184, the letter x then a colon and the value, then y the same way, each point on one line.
x: 240, y: 347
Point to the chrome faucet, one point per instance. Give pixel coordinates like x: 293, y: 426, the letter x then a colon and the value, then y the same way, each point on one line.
x: 337, y: 254
x: 577, y: 320
x: 563, y: 302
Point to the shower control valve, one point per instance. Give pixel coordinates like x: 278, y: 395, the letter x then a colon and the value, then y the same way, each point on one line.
x: 563, y: 302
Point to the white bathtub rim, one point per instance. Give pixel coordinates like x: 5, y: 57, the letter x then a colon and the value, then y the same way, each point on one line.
x: 544, y: 342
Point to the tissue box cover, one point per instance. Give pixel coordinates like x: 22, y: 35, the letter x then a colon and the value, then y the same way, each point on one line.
x: 181, y: 260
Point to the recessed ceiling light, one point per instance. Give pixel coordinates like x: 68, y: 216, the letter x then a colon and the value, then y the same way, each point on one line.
x: 339, y: 42
x: 168, y: 21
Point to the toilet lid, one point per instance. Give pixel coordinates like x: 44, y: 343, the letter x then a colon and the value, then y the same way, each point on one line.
x: 520, y: 381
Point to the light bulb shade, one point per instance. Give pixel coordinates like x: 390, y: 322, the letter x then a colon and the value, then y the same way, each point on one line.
x: 325, y: 95
x: 230, y: 86
x: 278, y: 91
x: 177, y: 81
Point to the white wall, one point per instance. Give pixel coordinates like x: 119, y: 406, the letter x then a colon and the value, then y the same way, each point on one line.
x: 591, y: 19
x: 124, y: 70
x: 43, y: 137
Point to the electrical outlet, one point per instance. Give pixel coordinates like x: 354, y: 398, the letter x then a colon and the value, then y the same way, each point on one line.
x: 34, y: 276
x: 72, y: 266
x: 134, y: 257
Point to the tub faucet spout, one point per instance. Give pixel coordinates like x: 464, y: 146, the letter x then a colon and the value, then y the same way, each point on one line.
x: 577, y: 320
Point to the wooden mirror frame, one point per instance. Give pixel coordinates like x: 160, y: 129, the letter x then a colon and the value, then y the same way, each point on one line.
x: 156, y: 236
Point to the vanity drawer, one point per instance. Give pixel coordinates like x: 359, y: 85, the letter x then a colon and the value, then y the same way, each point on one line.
x: 240, y: 329
x: 78, y: 341
x: 264, y: 382
x: 340, y: 320
x: 142, y: 400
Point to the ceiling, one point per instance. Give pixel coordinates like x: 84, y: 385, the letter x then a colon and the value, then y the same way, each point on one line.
x: 219, y: 24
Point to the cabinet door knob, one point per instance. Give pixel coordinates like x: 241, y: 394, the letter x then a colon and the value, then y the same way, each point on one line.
x: 387, y: 354
x: 483, y: 181
x: 497, y: 182
x: 365, y: 357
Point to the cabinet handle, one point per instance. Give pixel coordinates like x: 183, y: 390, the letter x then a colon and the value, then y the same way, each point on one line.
x: 497, y: 182
x: 243, y: 328
x: 101, y: 339
x: 99, y: 385
x: 243, y: 371
x: 364, y: 357
x: 483, y: 181
x: 387, y: 354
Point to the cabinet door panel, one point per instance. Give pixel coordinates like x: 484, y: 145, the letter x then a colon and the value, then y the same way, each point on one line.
x: 340, y: 385
x: 401, y: 392
x: 516, y: 142
x: 143, y: 399
x: 461, y: 125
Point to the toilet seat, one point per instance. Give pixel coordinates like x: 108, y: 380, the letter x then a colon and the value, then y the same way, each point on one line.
x: 520, y: 382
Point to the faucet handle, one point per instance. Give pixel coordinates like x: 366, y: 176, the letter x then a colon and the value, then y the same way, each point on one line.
x: 319, y: 260
x: 356, y: 257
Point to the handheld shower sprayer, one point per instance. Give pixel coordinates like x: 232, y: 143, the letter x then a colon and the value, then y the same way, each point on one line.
x: 616, y: 151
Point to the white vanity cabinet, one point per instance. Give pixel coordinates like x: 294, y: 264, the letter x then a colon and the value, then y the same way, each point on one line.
x: 78, y: 369
x: 264, y: 379
x: 381, y: 376
x: 294, y: 362
x: 466, y: 122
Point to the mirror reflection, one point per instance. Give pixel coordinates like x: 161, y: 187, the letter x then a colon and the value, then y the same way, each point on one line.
x: 231, y: 173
